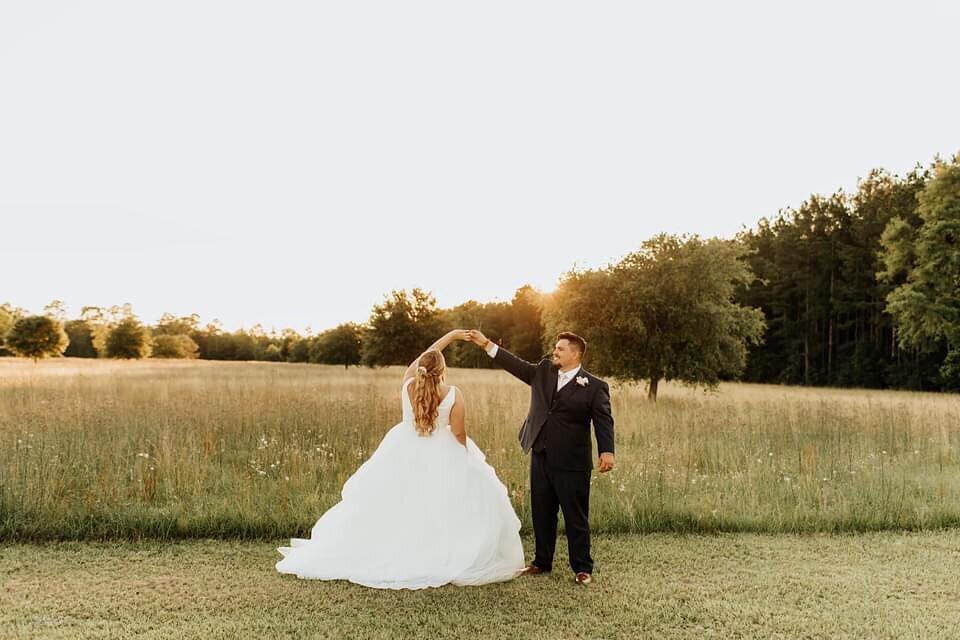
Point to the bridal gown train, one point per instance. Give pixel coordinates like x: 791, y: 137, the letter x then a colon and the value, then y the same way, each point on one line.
x: 420, y: 512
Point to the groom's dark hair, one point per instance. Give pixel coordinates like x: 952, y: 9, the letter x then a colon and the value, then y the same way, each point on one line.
x: 574, y: 339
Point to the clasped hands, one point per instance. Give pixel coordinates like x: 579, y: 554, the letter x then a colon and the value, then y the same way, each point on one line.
x: 477, y: 338
x: 470, y: 335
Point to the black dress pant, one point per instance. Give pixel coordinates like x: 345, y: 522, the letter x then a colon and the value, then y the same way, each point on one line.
x: 568, y: 491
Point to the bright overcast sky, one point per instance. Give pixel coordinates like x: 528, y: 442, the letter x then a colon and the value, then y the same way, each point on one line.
x: 288, y: 163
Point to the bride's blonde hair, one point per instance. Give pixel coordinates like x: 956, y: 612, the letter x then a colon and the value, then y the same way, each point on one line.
x: 426, y: 394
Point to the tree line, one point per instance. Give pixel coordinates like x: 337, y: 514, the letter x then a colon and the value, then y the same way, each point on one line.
x: 857, y: 289
x: 395, y: 333
x: 862, y: 289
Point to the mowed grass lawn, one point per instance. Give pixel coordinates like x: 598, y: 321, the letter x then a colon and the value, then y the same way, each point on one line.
x: 873, y: 585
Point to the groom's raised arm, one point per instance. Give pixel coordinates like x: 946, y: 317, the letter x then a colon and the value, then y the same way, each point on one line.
x: 512, y: 364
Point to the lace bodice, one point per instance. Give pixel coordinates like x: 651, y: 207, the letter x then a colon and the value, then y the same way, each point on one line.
x: 443, y: 410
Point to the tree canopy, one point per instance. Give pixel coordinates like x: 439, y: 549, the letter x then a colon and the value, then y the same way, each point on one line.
x: 37, y: 337
x: 665, y: 312
x: 129, y: 339
x: 401, y: 327
x: 924, y: 255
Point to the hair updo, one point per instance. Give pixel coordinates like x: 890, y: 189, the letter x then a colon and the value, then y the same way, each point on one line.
x: 426, y: 394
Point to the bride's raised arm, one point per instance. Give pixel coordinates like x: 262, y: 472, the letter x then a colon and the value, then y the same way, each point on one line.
x: 439, y: 345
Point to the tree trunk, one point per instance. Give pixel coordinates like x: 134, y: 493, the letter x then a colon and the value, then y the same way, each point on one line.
x: 806, y: 337
x: 830, y: 333
x: 652, y: 392
x: 916, y: 367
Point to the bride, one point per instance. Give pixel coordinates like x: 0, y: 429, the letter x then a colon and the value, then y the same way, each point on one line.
x: 425, y: 509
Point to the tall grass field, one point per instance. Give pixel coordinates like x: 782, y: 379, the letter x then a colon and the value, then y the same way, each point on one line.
x: 101, y: 450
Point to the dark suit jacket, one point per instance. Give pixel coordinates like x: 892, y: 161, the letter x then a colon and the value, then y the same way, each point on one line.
x: 559, y: 421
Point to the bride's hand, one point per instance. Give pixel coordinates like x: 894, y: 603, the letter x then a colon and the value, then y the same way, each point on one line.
x: 461, y: 334
x: 477, y: 337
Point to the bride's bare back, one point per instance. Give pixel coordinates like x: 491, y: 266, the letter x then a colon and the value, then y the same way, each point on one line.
x: 457, y: 412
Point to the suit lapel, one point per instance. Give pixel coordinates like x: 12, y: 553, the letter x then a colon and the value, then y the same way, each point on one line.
x: 551, y: 389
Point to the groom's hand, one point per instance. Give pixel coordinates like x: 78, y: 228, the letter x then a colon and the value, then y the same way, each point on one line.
x: 477, y: 338
x: 606, y: 462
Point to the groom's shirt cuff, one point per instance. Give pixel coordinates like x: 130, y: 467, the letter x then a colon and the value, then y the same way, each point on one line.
x: 492, y: 349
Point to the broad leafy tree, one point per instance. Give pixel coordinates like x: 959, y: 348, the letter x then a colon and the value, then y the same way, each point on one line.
x: 9, y: 315
x: 665, y: 312
x: 400, y: 328
x: 341, y: 345
x: 174, y: 346
x: 37, y: 337
x: 525, y: 335
x: 129, y: 339
x: 926, y: 305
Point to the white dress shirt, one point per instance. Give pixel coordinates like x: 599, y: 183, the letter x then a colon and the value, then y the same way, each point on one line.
x: 562, y: 377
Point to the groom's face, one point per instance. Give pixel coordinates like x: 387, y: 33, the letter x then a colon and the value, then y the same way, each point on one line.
x: 565, y: 354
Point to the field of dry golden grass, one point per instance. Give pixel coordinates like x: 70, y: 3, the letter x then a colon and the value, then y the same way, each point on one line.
x: 158, y: 449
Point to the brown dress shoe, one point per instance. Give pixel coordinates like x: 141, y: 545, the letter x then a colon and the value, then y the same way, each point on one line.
x: 583, y: 578
x: 532, y: 570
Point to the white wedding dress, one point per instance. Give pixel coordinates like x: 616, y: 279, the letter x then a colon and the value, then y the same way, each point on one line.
x: 421, y: 512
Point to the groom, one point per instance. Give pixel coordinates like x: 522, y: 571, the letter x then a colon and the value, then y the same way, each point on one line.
x: 564, y: 398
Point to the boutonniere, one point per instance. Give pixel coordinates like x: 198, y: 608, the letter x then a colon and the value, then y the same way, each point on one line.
x: 582, y: 381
